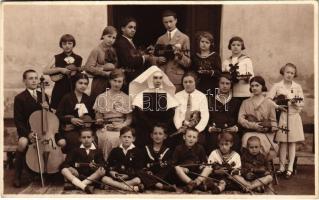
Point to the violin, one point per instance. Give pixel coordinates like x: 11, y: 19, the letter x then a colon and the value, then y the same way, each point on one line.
x: 283, y: 100
x: 85, y: 164
x: 58, y: 76
x: 168, y: 51
x: 236, y: 76
x: 266, y: 123
x: 195, y: 117
x: 44, y: 156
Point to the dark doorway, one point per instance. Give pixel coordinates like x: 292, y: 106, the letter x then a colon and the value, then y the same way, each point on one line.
x: 191, y: 18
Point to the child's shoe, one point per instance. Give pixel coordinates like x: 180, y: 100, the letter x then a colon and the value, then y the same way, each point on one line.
x: 170, y: 188
x: 190, y: 187
x: 69, y: 186
x: 89, y: 189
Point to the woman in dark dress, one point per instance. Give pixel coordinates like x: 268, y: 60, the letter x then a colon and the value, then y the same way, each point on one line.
x: 73, y: 107
x: 59, y: 70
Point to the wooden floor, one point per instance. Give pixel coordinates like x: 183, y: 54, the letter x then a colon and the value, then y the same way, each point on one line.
x: 300, y: 184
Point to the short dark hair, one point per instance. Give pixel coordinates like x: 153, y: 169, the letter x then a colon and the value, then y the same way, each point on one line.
x: 25, y: 73
x: 259, y: 80
x: 227, y: 76
x: 282, y: 69
x: 86, y: 129
x: 226, y: 136
x: 79, y: 76
x: 191, y: 129
x: 253, y: 138
x: 167, y: 13
x: 116, y: 73
x: 208, y: 36
x: 236, y: 38
x: 67, y: 38
x: 127, y: 20
x: 192, y: 74
x: 126, y: 129
x: 160, y: 125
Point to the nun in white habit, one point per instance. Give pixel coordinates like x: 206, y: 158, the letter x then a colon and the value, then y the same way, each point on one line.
x: 153, y: 101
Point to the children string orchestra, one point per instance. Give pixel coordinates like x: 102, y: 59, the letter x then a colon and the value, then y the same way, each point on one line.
x: 166, y: 119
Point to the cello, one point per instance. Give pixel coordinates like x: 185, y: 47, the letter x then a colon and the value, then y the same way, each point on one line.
x: 44, y: 156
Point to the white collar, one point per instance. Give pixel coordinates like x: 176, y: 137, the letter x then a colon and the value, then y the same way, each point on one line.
x: 132, y: 146
x: 226, y: 100
x: 91, y: 148
x: 173, y: 32
x: 31, y: 91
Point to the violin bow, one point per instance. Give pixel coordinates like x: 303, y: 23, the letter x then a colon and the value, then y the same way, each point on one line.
x: 160, y: 179
x: 99, y: 182
x: 238, y: 182
x: 207, y: 177
x: 123, y: 181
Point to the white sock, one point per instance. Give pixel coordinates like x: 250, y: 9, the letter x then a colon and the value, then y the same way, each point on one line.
x: 292, y: 155
x: 78, y: 183
x: 282, y: 156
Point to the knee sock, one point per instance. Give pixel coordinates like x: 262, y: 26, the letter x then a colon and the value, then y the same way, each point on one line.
x: 78, y: 183
x: 19, y: 164
x: 292, y: 155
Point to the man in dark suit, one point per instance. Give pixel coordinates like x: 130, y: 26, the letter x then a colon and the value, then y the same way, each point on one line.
x: 175, y: 65
x: 129, y: 57
x: 25, y: 104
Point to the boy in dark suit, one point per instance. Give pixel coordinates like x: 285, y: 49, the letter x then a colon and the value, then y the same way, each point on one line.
x: 157, y: 159
x: 124, y: 163
x: 25, y: 104
x: 129, y: 57
x: 85, y: 162
x: 174, y: 66
x: 190, y: 153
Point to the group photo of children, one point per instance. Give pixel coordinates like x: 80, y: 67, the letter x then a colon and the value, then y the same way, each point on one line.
x: 188, y: 112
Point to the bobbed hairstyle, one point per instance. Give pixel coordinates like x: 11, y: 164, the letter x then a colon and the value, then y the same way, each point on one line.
x: 67, y: 38
x: 126, y: 129
x: 259, y: 80
x: 236, y: 38
x: 79, y: 76
x: 282, y: 69
x: 227, y: 76
x: 208, y: 36
x: 116, y: 73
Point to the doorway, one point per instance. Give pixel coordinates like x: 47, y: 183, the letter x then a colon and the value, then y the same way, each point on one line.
x: 191, y: 19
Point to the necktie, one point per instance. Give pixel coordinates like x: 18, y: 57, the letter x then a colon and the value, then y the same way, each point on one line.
x: 188, y: 108
x: 169, y: 36
x: 34, y: 95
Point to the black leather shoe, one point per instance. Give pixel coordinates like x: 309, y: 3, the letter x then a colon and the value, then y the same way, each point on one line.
x: 288, y: 174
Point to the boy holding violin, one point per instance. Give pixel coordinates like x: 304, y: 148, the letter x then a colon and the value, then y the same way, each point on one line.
x: 25, y: 104
x: 175, y: 65
x: 84, y: 163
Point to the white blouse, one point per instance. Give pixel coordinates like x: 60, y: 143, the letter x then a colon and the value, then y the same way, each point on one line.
x: 199, y: 103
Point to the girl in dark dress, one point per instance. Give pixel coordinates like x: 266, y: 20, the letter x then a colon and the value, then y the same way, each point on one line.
x: 71, y: 110
x: 59, y: 69
x: 206, y: 63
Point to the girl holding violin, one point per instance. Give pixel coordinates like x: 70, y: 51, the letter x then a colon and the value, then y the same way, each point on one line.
x: 73, y: 108
x: 25, y: 104
x: 257, y: 114
x: 62, y: 69
x: 112, y: 111
x: 293, y: 96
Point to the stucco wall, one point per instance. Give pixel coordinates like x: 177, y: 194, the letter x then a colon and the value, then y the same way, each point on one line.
x: 275, y: 35
x: 32, y: 34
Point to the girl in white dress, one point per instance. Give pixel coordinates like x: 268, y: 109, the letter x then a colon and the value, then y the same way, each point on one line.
x: 292, y: 92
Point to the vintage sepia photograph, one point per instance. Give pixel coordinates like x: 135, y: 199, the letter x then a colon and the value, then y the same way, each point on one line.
x: 210, y: 99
